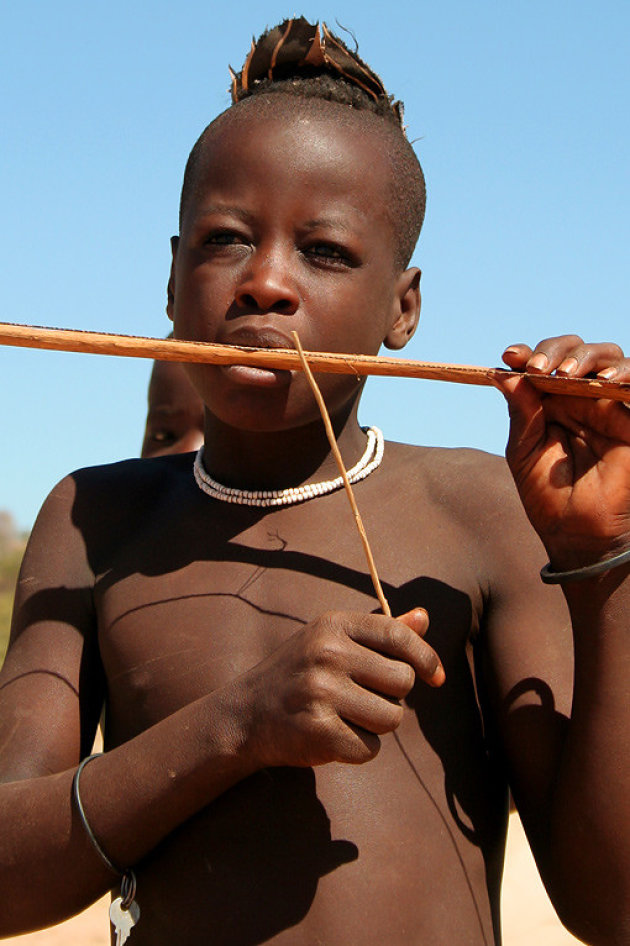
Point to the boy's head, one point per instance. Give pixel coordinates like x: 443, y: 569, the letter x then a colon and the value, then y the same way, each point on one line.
x: 175, y: 412
x: 300, y: 208
x: 314, y: 67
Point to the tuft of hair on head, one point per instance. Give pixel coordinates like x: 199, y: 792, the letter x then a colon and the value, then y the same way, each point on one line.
x: 309, y: 62
x: 298, y: 50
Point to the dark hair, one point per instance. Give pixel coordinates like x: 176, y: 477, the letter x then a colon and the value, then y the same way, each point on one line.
x: 308, y: 62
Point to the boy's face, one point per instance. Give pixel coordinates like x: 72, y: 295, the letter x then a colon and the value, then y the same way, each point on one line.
x: 175, y: 413
x: 288, y: 230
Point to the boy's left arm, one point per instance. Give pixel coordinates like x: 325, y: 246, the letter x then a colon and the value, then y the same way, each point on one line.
x: 570, y: 459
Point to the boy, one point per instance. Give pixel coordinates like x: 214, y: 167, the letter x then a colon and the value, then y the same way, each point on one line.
x: 277, y: 771
x: 175, y: 412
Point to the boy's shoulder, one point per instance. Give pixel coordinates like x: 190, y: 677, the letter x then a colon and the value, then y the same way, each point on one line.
x: 132, y: 483
x: 133, y: 473
x: 112, y: 499
x: 470, y: 494
x: 454, y: 474
x: 469, y: 488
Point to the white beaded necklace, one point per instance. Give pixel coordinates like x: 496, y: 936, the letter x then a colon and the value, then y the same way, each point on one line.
x: 370, y: 460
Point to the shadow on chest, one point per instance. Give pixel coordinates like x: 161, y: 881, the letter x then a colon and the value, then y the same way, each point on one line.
x: 183, y: 610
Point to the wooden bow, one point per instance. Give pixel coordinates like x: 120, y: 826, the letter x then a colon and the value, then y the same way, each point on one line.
x: 288, y: 359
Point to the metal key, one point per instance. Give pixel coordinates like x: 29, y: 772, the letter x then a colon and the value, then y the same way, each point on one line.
x: 123, y: 921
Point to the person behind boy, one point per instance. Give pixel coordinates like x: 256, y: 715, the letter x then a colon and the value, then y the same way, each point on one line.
x: 277, y: 771
x: 174, y: 421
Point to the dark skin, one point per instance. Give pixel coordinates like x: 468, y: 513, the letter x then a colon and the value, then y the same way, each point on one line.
x: 175, y: 414
x: 284, y: 764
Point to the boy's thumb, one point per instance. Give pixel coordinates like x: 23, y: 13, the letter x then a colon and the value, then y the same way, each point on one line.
x: 524, y: 407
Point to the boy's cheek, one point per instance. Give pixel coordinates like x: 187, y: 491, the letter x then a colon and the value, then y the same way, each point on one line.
x: 199, y: 306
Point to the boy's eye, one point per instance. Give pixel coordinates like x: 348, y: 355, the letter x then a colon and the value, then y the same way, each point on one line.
x: 323, y: 249
x: 329, y: 253
x: 224, y: 238
x: 162, y: 436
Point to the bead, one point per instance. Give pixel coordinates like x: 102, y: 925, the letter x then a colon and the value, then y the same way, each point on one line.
x: 369, y: 462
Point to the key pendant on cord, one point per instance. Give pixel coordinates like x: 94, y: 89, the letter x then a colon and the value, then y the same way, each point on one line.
x: 124, y: 912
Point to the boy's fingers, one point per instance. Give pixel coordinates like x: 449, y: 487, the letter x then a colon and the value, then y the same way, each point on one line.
x: 370, y: 711
x: 424, y: 660
x: 545, y: 357
x: 527, y: 418
x: 349, y: 742
x: 617, y: 372
x: 358, y: 745
x: 374, y: 671
x: 524, y: 401
x: 589, y: 359
x: 401, y: 639
x: 570, y: 356
x: 418, y: 621
x: 516, y: 356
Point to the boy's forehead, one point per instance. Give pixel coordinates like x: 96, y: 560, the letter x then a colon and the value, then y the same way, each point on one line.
x: 311, y: 138
x: 288, y: 110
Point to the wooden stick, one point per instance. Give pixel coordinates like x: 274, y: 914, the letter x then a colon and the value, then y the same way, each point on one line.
x: 323, y: 410
x: 287, y: 359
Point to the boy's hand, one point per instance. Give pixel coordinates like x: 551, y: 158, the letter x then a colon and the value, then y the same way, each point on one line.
x: 570, y: 456
x: 330, y: 691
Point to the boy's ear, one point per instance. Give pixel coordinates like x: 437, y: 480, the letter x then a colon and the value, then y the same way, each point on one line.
x: 170, y: 286
x: 407, y: 309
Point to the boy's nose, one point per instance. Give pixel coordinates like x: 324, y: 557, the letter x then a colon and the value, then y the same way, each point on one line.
x: 267, y: 286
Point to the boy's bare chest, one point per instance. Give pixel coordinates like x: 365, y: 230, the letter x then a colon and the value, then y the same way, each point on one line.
x: 201, y: 612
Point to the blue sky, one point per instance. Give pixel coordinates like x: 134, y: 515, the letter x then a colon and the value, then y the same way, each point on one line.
x: 519, y: 113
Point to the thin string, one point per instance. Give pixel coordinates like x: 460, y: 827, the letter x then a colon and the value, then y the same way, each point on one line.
x: 383, y: 602
x: 346, y: 482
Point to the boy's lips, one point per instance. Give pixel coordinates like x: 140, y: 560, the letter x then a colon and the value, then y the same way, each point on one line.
x: 255, y: 376
x: 261, y: 336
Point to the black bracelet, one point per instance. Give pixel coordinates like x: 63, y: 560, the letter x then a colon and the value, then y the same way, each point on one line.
x: 77, y: 800
x: 128, y: 881
x: 550, y: 577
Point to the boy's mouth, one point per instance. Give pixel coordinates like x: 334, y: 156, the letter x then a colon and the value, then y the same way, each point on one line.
x: 260, y: 337
x: 256, y: 377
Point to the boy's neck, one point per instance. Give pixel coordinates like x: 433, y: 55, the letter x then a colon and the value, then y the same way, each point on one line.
x: 280, y: 459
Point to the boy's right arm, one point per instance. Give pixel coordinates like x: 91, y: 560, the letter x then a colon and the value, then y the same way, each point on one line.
x: 312, y: 701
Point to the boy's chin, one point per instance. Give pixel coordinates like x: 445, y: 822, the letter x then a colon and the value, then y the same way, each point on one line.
x: 260, y: 400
